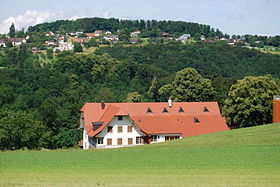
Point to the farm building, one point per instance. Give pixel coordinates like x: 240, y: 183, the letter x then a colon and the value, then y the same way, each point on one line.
x: 111, y: 125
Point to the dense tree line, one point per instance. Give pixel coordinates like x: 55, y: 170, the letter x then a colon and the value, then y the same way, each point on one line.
x: 150, y: 28
x: 50, y: 95
x: 210, y: 60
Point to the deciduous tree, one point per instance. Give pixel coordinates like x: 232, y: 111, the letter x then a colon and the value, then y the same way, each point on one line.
x: 249, y: 102
x: 134, y: 97
x: 19, y: 129
x: 189, y: 86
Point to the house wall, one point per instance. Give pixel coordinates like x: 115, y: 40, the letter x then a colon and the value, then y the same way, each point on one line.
x: 161, y: 137
x: 85, y: 140
x: 125, y: 122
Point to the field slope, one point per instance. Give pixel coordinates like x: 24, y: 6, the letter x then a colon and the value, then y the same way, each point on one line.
x: 243, y: 157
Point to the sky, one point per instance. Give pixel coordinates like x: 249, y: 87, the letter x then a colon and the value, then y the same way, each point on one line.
x: 241, y: 17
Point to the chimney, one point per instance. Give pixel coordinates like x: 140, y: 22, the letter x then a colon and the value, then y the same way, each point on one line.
x: 276, y: 109
x: 102, y: 105
x: 169, y: 102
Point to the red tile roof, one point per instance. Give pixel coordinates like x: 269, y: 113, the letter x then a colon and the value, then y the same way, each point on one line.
x: 156, y: 120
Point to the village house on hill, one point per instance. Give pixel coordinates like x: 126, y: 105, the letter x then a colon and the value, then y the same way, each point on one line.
x: 112, y: 125
x: 135, y: 33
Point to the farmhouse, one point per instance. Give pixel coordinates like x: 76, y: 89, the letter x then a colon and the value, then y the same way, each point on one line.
x: 111, y: 125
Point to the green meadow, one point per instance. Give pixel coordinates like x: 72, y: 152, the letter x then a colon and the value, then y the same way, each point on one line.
x: 242, y: 157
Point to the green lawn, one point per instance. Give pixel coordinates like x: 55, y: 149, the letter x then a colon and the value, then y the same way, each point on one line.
x: 243, y: 157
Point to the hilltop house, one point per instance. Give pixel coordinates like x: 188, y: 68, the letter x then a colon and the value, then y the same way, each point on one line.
x: 108, y: 32
x: 64, y: 46
x: 135, y: 33
x: 111, y: 125
x: 98, y: 32
x: 17, y: 41
x: 184, y: 37
x: 50, y: 43
x: 3, y: 43
x: 111, y: 38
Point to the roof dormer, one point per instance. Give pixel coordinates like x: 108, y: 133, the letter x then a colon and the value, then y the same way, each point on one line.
x: 165, y: 110
x: 205, y: 109
x: 149, y: 110
x: 196, y: 120
x: 181, y: 110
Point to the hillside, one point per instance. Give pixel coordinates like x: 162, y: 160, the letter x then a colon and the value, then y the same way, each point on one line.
x: 243, y: 157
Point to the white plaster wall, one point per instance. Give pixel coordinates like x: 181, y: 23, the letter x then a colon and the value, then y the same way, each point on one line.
x: 125, y: 122
x: 85, y: 140
x: 161, y: 137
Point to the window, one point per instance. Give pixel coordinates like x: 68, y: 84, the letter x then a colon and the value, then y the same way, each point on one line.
x: 99, y: 140
x: 119, y: 141
x: 149, y: 110
x: 129, y: 129
x: 154, y: 138
x: 119, y: 129
x: 181, y: 110
x: 120, y: 118
x: 109, y: 141
x: 130, y: 141
x: 205, y: 109
x: 164, y: 110
x: 168, y: 138
x: 109, y: 129
x: 196, y: 120
x: 139, y: 140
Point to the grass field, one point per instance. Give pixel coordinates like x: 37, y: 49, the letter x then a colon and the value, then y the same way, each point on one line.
x: 243, y: 157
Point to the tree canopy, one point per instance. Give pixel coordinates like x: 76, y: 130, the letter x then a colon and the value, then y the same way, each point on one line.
x: 20, y: 130
x: 249, y: 102
x: 134, y: 97
x: 189, y: 86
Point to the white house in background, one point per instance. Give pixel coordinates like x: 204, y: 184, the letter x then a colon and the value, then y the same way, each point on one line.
x: 64, y: 46
x: 50, y: 43
x: 75, y: 33
x: 202, y: 38
x: 135, y: 33
x: 61, y: 39
x: 98, y: 33
x: 112, y: 125
x: 111, y: 38
x: 17, y: 41
x: 108, y: 32
x: 184, y: 37
x: 50, y: 33
x: 3, y: 43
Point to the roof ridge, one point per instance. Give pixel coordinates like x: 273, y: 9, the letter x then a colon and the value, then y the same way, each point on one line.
x: 104, y: 113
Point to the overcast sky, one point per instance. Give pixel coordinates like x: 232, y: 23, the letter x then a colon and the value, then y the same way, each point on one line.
x: 230, y: 16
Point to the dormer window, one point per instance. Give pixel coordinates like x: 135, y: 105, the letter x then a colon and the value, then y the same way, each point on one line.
x: 181, y: 110
x: 120, y: 118
x: 164, y: 110
x: 149, y: 110
x: 205, y: 109
x: 196, y: 120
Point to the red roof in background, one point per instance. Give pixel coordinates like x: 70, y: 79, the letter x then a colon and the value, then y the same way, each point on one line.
x: 90, y: 34
x: 178, y: 119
